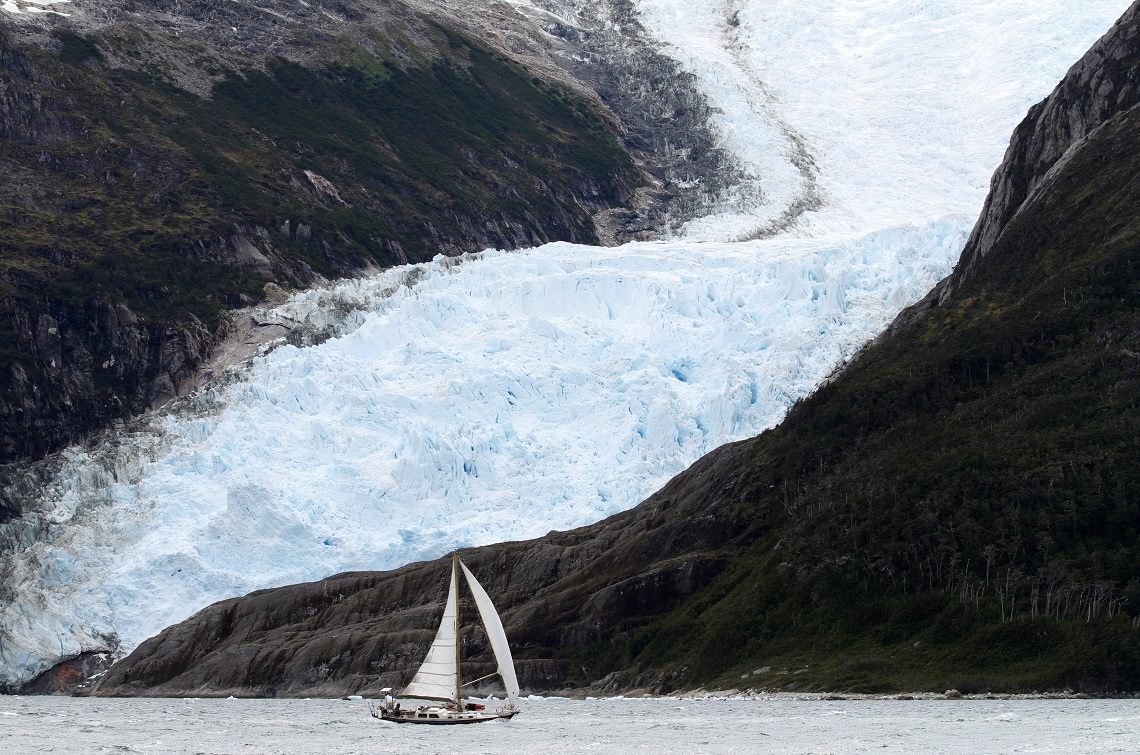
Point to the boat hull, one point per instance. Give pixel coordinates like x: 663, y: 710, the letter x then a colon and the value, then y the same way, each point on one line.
x: 442, y: 719
x: 447, y: 722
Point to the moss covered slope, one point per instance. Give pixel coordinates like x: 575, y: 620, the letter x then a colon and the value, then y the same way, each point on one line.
x: 135, y: 213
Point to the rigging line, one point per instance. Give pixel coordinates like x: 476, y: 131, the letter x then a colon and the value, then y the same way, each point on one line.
x: 488, y: 676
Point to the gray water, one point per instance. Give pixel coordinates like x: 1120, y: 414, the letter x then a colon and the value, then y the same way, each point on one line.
x: 77, y: 725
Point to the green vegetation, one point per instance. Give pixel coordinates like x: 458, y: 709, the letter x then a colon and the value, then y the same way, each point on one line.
x: 961, y: 508
x: 124, y: 189
x: 467, y: 138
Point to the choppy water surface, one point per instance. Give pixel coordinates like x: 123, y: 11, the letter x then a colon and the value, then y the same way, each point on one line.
x: 42, y: 725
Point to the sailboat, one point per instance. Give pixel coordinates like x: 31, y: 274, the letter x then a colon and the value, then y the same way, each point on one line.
x: 438, y: 678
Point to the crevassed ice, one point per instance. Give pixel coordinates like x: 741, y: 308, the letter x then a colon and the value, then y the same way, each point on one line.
x: 494, y: 400
x: 516, y: 393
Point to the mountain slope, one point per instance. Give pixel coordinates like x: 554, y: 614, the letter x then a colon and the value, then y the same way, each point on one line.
x: 975, y: 480
x: 157, y: 179
x: 960, y: 506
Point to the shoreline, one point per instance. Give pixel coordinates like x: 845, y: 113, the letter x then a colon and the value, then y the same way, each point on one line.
x: 699, y: 694
x: 760, y: 694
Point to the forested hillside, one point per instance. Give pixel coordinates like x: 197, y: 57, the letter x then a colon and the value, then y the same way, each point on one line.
x: 963, y: 503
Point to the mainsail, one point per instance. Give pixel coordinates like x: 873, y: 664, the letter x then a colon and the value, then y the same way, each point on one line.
x: 495, y: 634
x: 436, y: 678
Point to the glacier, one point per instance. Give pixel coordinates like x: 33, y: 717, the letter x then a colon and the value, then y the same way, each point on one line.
x: 505, y: 394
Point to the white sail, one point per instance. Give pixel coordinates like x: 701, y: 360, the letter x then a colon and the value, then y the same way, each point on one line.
x: 495, y: 634
x: 436, y: 678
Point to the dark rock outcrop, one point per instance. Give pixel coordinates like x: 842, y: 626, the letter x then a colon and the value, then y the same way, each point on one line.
x: 1103, y: 83
x: 664, y: 117
x: 74, y: 677
x: 79, y: 350
x: 1106, y: 81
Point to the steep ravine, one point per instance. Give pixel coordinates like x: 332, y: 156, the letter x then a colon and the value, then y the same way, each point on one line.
x: 957, y: 508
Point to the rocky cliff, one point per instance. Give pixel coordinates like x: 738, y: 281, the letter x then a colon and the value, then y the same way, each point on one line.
x: 1101, y: 84
x: 958, y: 508
x: 1105, y: 82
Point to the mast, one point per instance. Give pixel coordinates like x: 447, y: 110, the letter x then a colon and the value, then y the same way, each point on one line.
x: 458, y: 684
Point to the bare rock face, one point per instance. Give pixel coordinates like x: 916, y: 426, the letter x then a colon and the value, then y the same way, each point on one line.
x: 1106, y: 81
x: 360, y: 632
x: 664, y: 116
x: 149, y: 362
x: 1102, y: 84
x: 73, y: 677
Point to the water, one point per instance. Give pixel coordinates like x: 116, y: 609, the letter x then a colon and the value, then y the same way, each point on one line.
x: 75, y: 725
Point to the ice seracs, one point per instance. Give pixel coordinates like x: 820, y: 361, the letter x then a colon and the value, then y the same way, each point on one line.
x: 495, y: 400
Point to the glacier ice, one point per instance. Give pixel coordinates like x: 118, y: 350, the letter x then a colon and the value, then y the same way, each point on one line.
x: 512, y: 393
x: 492, y: 400
x: 904, y: 106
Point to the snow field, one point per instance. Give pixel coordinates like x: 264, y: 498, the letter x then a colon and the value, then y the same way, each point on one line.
x: 28, y: 7
x: 905, y: 106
